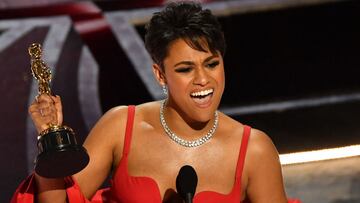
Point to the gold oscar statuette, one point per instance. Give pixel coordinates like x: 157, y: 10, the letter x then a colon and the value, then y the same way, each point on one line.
x: 59, y: 153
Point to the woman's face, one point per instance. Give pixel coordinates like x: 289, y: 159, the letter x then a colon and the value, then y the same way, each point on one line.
x: 195, y: 80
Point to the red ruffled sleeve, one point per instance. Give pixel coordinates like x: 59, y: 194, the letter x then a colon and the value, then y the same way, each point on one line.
x: 26, y: 191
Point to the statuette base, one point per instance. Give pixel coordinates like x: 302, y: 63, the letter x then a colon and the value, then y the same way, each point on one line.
x: 59, y: 154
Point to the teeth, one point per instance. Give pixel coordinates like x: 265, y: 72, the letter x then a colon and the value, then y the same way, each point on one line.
x: 202, y: 93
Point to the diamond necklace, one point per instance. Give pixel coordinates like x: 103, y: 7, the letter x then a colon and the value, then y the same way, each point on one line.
x: 180, y: 141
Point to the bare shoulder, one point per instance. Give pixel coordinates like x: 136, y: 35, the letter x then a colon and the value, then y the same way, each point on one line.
x: 263, y: 169
x: 261, y: 150
x: 114, y: 120
x: 108, y: 124
x: 147, y: 107
x: 260, y: 143
x: 148, y: 112
x: 107, y: 131
x: 230, y: 127
x: 113, y: 115
x: 102, y: 145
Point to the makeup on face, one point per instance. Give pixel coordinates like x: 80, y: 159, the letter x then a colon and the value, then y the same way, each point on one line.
x: 195, y: 79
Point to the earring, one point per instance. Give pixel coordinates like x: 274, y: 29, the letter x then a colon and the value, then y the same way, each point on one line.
x: 165, y: 90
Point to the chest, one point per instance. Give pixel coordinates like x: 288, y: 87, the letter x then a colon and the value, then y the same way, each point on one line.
x: 158, y: 159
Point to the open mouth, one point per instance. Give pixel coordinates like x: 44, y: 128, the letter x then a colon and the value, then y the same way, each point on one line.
x: 202, y: 97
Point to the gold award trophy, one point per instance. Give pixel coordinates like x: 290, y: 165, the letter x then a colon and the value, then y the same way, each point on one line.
x: 59, y: 154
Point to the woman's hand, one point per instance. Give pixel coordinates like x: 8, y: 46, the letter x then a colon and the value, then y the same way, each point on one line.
x: 46, y: 110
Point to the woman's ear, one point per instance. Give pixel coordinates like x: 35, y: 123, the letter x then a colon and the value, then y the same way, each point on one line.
x: 159, y: 74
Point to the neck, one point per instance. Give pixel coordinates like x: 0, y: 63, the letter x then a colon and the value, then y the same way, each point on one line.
x: 181, y: 124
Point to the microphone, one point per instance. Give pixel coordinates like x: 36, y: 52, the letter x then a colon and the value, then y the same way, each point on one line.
x: 186, y: 183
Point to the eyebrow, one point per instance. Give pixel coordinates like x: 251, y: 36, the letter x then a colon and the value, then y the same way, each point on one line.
x: 192, y: 63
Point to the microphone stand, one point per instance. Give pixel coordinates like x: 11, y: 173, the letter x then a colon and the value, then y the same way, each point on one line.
x: 189, y: 198
x: 186, y: 182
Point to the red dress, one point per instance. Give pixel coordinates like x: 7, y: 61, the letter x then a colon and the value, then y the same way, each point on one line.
x: 129, y: 189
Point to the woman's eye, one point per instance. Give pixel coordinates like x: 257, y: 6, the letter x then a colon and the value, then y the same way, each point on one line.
x: 213, y: 64
x: 183, y: 70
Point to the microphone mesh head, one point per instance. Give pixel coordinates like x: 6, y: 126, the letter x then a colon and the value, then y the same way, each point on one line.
x: 186, y: 181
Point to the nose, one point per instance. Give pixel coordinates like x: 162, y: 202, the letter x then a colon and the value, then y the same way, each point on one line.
x: 201, y: 77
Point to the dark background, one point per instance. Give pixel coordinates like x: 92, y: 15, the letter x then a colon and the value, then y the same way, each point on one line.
x: 273, y: 55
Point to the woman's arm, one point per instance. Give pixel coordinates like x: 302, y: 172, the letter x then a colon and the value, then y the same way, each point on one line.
x: 265, y: 182
x: 44, y: 110
x: 50, y: 189
x: 107, y: 135
x: 100, y: 145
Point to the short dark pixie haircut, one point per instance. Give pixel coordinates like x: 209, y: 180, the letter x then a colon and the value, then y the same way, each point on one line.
x: 183, y: 20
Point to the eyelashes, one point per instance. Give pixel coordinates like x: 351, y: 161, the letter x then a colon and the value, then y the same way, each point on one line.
x: 183, y: 70
x: 211, y: 65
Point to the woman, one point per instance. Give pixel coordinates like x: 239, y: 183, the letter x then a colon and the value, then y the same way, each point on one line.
x: 146, y: 145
